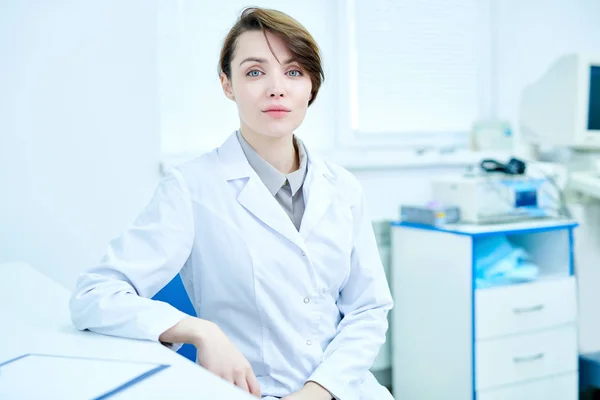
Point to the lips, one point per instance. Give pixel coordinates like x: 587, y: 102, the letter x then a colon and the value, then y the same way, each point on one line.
x: 276, y: 109
x: 277, y: 112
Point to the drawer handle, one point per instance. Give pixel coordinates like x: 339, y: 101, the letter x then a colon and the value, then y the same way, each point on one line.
x: 523, y: 310
x: 531, y: 358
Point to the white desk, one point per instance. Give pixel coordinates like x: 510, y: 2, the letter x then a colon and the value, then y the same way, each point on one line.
x: 34, y: 318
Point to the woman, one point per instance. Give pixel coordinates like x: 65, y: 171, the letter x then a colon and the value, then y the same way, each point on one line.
x: 273, y: 244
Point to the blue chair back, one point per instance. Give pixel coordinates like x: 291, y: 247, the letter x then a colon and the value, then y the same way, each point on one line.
x: 174, y: 294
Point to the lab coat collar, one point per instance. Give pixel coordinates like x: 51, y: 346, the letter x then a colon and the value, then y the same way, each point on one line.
x: 318, y: 189
x: 255, y: 197
x: 234, y: 162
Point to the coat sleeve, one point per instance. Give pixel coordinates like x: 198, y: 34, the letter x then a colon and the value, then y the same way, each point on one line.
x: 113, y: 298
x: 364, y: 303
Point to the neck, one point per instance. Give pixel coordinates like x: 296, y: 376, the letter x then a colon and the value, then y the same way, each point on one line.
x: 280, y: 152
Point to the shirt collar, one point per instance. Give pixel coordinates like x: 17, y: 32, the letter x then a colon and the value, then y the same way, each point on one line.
x: 271, y: 176
x: 296, y: 178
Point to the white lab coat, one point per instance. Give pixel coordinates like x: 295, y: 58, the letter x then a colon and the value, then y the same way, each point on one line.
x: 300, y: 305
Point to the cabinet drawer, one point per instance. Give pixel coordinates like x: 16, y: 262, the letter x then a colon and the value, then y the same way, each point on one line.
x: 564, y: 387
x: 525, y: 357
x: 526, y: 307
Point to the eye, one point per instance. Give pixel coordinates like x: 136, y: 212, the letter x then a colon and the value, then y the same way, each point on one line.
x: 295, y: 73
x: 254, y: 73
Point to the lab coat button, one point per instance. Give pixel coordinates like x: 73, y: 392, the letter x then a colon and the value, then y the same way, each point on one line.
x: 303, y: 254
x: 306, y: 300
x: 309, y: 342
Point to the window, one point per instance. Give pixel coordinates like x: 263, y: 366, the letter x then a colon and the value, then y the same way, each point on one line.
x: 417, y: 71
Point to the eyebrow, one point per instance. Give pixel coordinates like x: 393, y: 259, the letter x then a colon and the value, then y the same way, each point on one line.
x: 264, y: 60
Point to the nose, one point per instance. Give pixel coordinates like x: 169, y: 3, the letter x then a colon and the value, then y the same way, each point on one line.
x: 276, y: 89
x: 276, y: 92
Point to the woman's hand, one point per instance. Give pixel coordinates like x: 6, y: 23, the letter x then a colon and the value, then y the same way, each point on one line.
x: 217, y: 354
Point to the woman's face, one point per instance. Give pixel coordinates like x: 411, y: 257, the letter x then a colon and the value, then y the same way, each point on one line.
x: 272, y: 96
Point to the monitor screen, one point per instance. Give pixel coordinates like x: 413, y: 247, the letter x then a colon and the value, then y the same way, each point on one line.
x: 594, y: 111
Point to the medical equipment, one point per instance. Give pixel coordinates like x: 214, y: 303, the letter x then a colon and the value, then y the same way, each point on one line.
x: 434, y: 213
x: 513, y: 167
x: 562, y: 110
x: 563, y: 107
x: 587, y: 181
x: 494, y: 198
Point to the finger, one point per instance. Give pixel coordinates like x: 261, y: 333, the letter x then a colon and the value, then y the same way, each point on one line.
x: 228, y: 377
x: 240, y: 380
x: 253, y: 384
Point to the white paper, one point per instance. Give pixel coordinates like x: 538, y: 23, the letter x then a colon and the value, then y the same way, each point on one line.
x: 44, y: 377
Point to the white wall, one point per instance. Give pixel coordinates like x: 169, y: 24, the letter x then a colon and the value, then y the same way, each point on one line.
x: 79, y: 138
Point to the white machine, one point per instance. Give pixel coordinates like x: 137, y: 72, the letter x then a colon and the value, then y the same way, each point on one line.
x: 497, y: 198
x: 563, y: 107
x: 562, y: 110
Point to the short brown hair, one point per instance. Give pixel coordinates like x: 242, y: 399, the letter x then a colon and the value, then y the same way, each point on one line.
x: 300, y: 43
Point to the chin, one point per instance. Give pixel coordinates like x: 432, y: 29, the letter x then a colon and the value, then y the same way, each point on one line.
x: 277, y: 130
x: 276, y: 133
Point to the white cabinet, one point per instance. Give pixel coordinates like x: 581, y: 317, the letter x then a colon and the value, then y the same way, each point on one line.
x: 456, y: 338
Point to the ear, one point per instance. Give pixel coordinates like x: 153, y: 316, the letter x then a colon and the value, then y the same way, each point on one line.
x: 227, y: 88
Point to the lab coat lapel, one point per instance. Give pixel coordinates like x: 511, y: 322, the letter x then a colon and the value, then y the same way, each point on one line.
x: 317, y: 195
x: 254, y: 196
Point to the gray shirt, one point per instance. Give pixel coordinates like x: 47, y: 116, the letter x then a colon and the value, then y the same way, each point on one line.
x: 286, y: 188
